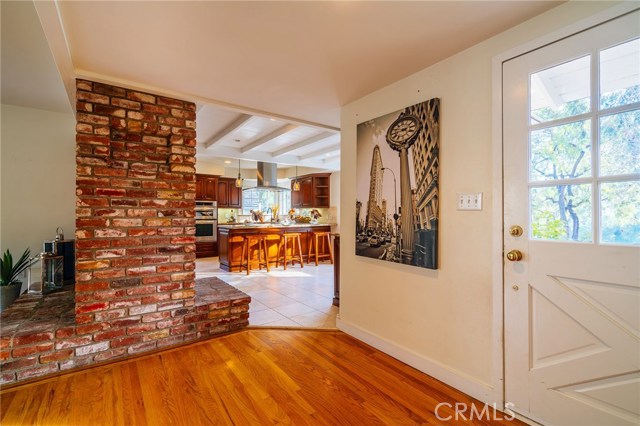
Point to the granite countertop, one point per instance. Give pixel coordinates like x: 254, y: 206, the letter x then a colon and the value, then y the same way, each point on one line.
x: 270, y: 225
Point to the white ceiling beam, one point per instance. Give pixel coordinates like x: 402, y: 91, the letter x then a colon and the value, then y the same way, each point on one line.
x: 236, y: 124
x: 51, y: 22
x: 302, y: 144
x: 266, y: 138
x: 135, y: 85
x: 221, y: 151
x: 320, y: 152
x: 331, y: 158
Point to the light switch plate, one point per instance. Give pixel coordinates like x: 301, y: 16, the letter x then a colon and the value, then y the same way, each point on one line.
x: 470, y: 201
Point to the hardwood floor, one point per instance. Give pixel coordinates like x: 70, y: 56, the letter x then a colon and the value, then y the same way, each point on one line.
x: 254, y: 377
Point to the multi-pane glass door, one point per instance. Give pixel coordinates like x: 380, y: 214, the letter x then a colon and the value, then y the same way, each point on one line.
x: 584, y: 148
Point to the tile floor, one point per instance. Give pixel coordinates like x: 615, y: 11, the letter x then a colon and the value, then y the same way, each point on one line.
x: 297, y: 297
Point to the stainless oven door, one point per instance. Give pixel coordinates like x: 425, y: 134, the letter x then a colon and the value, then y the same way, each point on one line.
x: 207, y: 230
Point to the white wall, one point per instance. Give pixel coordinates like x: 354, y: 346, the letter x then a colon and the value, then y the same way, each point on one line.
x: 446, y: 322
x: 38, y: 177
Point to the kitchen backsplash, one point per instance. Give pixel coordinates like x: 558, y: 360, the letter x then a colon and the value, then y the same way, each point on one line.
x: 329, y: 215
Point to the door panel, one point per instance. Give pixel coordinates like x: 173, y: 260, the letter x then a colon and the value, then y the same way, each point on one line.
x: 572, y: 304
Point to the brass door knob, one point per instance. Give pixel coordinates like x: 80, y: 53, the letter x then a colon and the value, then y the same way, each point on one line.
x: 514, y: 255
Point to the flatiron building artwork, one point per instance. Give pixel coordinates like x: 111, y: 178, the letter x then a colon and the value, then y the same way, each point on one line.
x: 397, y: 183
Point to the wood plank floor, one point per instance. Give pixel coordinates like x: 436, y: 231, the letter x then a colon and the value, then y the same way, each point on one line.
x: 254, y: 377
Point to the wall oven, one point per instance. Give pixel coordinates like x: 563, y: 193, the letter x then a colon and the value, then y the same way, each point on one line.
x: 206, y: 221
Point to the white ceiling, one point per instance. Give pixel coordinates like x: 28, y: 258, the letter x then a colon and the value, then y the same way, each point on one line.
x: 269, y: 77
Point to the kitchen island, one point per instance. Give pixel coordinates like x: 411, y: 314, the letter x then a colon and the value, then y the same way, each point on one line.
x: 230, y: 251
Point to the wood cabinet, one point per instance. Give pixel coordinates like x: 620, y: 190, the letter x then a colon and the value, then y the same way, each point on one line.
x: 206, y: 249
x: 228, y: 194
x: 314, y: 191
x: 206, y: 187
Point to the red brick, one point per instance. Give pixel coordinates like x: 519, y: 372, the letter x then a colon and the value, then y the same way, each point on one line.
x: 110, y: 192
x: 91, y: 265
x: 91, y: 349
x: 91, y: 118
x: 169, y: 268
x: 91, y: 328
x: 92, y: 286
x: 139, y: 232
x: 92, y: 97
x: 108, y: 273
x: 126, y: 242
x: 91, y: 223
x: 147, y: 289
x: 27, y: 339
x: 56, y: 356
x: 5, y: 354
x: 126, y: 341
x: 108, y: 335
x: 30, y: 350
x: 141, y: 270
x: 126, y: 262
x: 110, y: 354
x: 157, y: 279
x: 182, y: 329
x: 82, y: 309
x: 109, y: 233
x: 36, y: 372
x: 18, y: 364
x: 141, y: 328
x: 142, y: 347
x: 124, y: 103
x: 110, y: 315
x: 61, y: 333
x: 125, y: 223
x: 141, y: 97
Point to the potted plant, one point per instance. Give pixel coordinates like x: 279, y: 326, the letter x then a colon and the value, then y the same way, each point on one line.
x: 9, y: 273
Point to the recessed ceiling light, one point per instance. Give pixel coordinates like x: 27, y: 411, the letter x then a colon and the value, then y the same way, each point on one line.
x: 227, y: 161
x: 236, y: 140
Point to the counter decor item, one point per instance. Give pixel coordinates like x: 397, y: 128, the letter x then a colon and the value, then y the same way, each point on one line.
x: 9, y: 277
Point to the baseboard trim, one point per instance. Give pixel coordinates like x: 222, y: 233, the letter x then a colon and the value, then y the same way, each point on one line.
x: 450, y: 376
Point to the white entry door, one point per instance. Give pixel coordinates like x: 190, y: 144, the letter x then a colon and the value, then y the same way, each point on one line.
x: 571, y: 126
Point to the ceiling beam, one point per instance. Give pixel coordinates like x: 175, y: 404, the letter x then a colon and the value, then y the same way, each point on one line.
x: 266, y: 138
x: 237, y: 123
x: 302, y: 144
x: 320, y: 152
x: 51, y: 22
x: 136, y: 85
x: 331, y: 158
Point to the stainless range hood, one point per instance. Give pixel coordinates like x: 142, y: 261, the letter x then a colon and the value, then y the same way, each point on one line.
x: 267, y: 178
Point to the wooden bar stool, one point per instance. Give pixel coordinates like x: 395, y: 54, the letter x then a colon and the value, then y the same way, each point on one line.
x: 249, y: 244
x: 269, y: 239
x: 237, y: 239
x: 294, y: 237
x: 316, y: 238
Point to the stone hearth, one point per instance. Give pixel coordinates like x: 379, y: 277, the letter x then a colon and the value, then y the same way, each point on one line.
x: 39, y: 334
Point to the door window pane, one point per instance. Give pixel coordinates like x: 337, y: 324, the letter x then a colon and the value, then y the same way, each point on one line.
x: 561, y: 152
x: 620, y: 74
x: 561, y: 91
x: 620, y: 143
x: 561, y: 212
x: 620, y: 212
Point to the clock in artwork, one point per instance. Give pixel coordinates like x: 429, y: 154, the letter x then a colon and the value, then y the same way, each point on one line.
x: 403, y: 132
x: 397, y: 186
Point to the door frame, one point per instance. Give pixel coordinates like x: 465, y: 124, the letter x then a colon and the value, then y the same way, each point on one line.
x: 497, y: 220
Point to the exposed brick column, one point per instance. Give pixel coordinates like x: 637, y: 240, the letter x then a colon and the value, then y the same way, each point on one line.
x: 135, y: 217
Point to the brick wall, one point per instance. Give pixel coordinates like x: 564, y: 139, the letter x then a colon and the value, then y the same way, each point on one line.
x: 135, y: 226
x: 135, y: 243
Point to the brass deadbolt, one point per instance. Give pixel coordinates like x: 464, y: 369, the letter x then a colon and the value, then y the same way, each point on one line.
x: 515, y: 231
x: 514, y: 255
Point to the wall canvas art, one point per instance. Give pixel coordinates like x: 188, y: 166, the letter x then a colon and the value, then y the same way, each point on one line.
x: 397, y: 186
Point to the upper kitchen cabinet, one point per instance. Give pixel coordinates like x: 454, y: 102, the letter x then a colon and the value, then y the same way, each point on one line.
x: 228, y: 194
x: 206, y: 187
x: 314, y: 191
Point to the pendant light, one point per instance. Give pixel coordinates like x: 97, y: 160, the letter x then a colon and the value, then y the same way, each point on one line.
x: 239, y: 181
x: 296, y: 184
